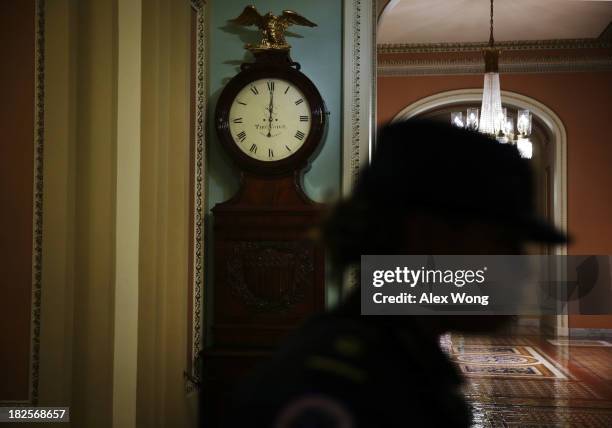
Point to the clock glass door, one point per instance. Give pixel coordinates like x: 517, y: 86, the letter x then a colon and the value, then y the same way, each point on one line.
x: 270, y: 119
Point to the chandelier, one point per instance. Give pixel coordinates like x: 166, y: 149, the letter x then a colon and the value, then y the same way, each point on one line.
x: 494, y: 119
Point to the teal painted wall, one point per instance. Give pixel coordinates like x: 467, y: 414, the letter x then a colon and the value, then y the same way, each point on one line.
x: 319, y: 51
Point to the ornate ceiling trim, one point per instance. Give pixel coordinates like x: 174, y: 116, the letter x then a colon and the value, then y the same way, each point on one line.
x: 513, y: 45
x: 542, y: 64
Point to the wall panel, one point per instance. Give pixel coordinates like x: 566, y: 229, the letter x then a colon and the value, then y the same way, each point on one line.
x: 17, y: 170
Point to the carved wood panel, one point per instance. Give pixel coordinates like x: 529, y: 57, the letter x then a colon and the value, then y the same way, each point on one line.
x: 270, y: 276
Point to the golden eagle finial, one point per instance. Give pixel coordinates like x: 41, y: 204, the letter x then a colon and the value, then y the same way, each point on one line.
x: 272, y: 27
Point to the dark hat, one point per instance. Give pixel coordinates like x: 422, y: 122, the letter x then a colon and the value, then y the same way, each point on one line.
x: 454, y: 173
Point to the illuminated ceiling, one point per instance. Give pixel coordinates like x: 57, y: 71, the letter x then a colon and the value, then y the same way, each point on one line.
x: 458, y: 21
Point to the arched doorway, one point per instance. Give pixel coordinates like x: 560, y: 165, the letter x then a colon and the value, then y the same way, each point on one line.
x: 550, y: 166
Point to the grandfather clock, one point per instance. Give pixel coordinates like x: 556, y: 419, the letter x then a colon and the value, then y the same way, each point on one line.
x: 268, y: 269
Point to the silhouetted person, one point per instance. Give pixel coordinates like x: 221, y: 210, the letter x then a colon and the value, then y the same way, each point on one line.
x: 430, y: 189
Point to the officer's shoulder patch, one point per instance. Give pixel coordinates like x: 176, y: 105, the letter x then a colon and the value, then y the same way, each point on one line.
x: 319, y: 411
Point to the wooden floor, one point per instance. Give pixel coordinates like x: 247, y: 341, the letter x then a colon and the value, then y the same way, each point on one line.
x: 531, y: 381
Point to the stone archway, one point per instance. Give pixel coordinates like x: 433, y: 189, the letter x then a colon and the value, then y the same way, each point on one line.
x: 554, y: 126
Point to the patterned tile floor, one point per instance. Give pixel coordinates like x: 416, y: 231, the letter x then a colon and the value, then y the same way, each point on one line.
x: 528, y: 381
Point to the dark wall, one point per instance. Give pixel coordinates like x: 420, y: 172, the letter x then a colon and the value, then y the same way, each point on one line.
x: 16, y: 193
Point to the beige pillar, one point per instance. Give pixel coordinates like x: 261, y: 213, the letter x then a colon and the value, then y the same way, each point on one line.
x: 162, y: 359
x: 127, y: 214
x: 94, y: 291
x: 115, y: 239
x: 55, y: 382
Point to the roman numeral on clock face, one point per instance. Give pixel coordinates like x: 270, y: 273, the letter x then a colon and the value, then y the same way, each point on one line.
x: 269, y: 133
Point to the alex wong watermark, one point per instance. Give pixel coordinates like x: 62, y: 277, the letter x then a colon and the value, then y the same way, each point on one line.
x: 413, y: 277
x: 492, y: 285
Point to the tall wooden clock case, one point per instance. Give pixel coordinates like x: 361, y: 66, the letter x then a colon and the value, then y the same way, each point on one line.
x: 268, y: 271
x: 268, y: 275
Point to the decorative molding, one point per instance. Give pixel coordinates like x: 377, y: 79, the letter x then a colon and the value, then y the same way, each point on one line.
x: 199, y: 201
x: 37, y: 213
x: 542, y: 64
x: 359, y: 59
x: 512, y: 45
x: 359, y: 95
x: 39, y: 141
x: 198, y: 4
x: 374, y: 84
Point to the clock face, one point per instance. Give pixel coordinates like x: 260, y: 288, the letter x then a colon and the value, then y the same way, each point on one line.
x: 270, y: 119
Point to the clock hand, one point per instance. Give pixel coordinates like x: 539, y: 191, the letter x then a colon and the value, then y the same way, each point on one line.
x: 270, y: 108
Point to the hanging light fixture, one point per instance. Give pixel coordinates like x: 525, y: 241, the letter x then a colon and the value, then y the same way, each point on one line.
x: 491, y: 114
x: 494, y: 119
